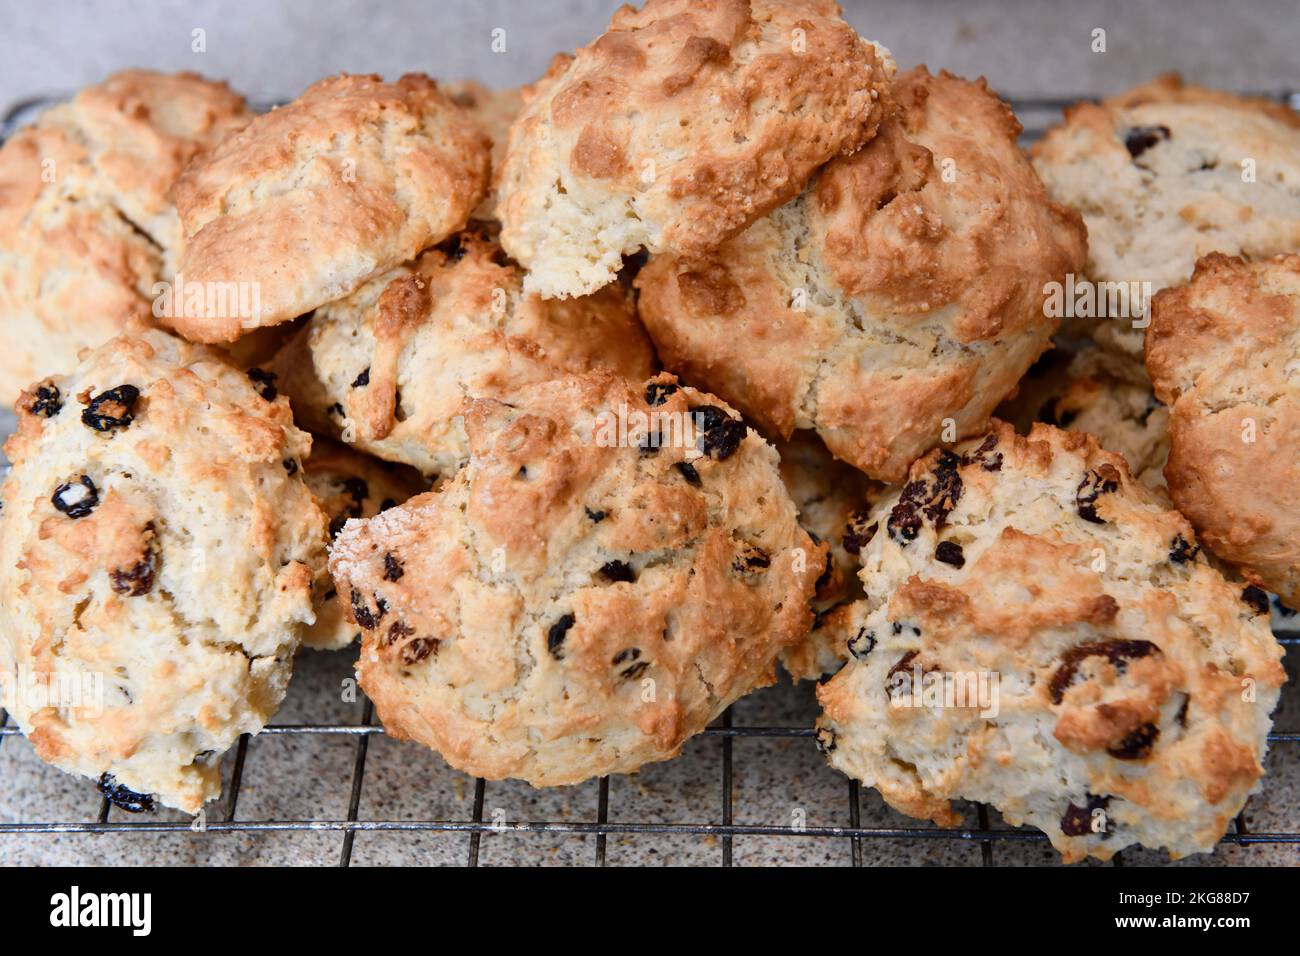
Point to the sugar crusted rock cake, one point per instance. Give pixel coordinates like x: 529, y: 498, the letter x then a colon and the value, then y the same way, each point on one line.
x: 312, y: 199
x: 898, y: 299
x: 86, y: 226
x: 389, y: 368
x: 1224, y: 352
x: 1169, y: 172
x: 676, y: 128
x: 158, y: 553
x: 1134, y: 683
x: 570, y: 605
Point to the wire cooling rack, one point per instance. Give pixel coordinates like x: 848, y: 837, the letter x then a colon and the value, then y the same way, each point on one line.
x: 1035, y: 113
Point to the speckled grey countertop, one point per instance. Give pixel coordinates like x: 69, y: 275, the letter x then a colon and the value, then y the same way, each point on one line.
x: 272, y: 50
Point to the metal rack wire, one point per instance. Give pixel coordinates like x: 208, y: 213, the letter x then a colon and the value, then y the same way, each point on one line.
x: 1035, y: 114
x: 725, y: 829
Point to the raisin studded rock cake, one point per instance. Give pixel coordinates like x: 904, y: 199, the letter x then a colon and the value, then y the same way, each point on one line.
x: 581, y: 598
x: 389, y: 368
x: 1167, y: 173
x: 833, y: 500
x: 158, y: 549
x: 312, y: 199
x: 1104, y: 394
x: 347, y: 484
x: 894, y: 303
x: 1042, y: 635
x: 1224, y: 352
x: 86, y: 226
x: 678, y: 127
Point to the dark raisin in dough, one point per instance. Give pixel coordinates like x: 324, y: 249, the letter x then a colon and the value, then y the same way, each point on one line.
x: 1141, y: 138
x: 1098, y: 482
x: 932, y: 497
x: 393, y: 569
x: 1137, y: 745
x: 722, y: 434
x: 263, y: 382
x: 1077, y: 821
x: 862, y: 643
x: 1256, y: 598
x: 48, y: 401
x: 689, y: 473
x: 617, y: 571
x: 125, y: 798
x: 76, y: 498
x: 364, y: 616
x: 596, y: 516
x: 418, y: 649
x: 362, y: 380
x: 902, y: 666
x: 857, y: 533
x: 111, y: 410
x: 826, y: 740
x: 905, y: 522
x: 635, y: 671
x: 1119, y: 653
x: 137, y: 580
x: 290, y: 466
x: 984, y: 456
x: 947, y: 489
x: 656, y: 393
x: 1182, y: 550
x: 396, y: 632
x: 950, y: 552
x: 557, y: 633
x: 753, y: 558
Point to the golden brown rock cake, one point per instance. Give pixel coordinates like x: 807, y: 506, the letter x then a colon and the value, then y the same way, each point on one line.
x: 581, y: 598
x: 893, y: 304
x: 1043, y: 635
x: 678, y: 127
x: 310, y: 200
x: 1224, y: 352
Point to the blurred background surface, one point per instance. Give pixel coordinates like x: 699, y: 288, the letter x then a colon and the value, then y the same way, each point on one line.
x: 272, y: 49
